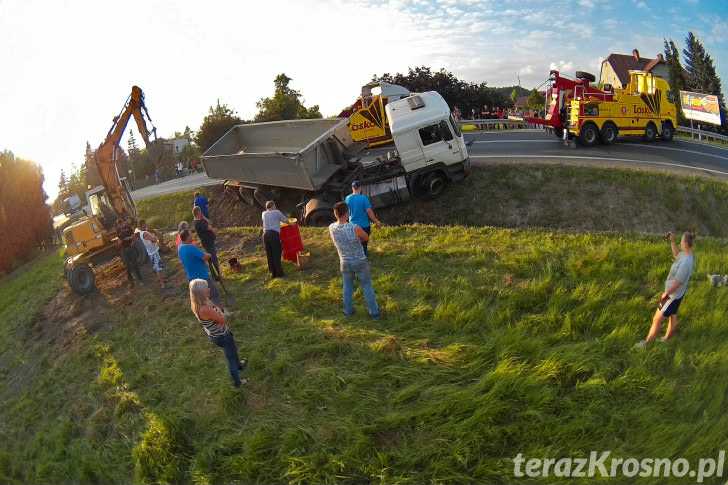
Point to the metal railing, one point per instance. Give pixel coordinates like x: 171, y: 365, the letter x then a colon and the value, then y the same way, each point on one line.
x: 702, y: 134
x: 506, y: 122
x: 519, y: 123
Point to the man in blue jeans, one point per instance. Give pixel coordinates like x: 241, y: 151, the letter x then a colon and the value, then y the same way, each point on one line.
x: 360, y: 212
x: 348, y: 239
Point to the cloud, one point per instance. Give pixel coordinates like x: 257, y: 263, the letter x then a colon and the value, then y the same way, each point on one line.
x: 642, y: 5
x: 719, y: 31
x: 563, y: 66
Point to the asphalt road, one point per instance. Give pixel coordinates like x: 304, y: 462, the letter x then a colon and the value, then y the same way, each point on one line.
x: 684, y: 157
x: 678, y: 156
x: 176, y: 185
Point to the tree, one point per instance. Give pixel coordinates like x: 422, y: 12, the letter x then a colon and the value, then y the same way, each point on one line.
x: 285, y: 104
x: 22, y: 208
x: 514, y: 95
x: 215, y: 125
x: 62, y: 185
x: 701, y: 76
x: 675, y: 76
x: 89, y: 162
x: 536, y: 100
x: 458, y: 93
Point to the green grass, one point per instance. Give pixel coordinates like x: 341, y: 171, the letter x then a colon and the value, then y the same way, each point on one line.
x: 568, y: 197
x: 165, y: 211
x: 494, y: 342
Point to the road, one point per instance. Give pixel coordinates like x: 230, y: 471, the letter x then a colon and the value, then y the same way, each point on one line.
x: 175, y: 185
x: 685, y: 157
x: 680, y: 156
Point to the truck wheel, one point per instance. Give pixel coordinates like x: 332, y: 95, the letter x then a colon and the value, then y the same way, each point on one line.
x: 262, y: 196
x: 434, y: 185
x: 140, y: 252
x: 589, y: 135
x: 246, y: 195
x: 585, y: 75
x: 609, y: 133
x: 650, y: 132
x: 81, y: 279
x: 559, y: 133
x: 322, y: 218
x: 668, y: 132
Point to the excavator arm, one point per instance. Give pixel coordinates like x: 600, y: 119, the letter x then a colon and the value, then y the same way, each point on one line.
x: 107, y: 155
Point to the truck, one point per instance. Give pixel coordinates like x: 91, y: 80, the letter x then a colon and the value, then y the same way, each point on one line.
x: 319, y: 159
x: 577, y: 110
x: 368, y: 116
x: 92, y: 240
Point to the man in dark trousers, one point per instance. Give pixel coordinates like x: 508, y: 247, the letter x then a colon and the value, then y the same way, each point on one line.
x: 128, y: 254
x: 207, y: 235
x: 361, y: 212
x: 272, y: 219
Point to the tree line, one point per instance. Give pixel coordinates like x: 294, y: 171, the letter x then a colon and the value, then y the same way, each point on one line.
x: 24, y: 214
x: 698, y: 75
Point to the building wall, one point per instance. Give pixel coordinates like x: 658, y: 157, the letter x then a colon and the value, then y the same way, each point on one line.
x: 179, y: 144
x: 608, y: 76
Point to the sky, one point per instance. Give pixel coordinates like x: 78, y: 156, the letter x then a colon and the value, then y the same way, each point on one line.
x: 67, y: 67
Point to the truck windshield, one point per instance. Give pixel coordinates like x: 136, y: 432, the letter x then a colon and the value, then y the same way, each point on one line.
x: 433, y: 133
x: 455, y: 126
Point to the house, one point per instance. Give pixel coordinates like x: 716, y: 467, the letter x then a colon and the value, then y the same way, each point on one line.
x: 616, y: 67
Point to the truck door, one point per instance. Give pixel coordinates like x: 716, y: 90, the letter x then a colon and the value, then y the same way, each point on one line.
x: 439, y: 144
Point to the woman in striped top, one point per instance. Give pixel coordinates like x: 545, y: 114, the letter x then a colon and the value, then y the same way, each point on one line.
x: 214, y: 323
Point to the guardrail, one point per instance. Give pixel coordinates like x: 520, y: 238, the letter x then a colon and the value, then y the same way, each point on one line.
x: 702, y: 133
x: 513, y: 123
x: 506, y: 122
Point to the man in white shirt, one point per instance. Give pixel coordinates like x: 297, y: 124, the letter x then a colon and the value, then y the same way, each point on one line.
x: 272, y: 219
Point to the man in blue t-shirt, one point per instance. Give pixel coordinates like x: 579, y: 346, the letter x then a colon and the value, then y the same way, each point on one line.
x: 193, y: 260
x: 360, y: 211
x: 203, y: 204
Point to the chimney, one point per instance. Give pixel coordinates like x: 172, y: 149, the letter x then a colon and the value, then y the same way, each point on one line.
x: 636, y: 54
x: 660, y: 57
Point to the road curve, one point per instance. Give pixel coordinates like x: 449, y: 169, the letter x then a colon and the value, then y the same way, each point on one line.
x: 684, y: 157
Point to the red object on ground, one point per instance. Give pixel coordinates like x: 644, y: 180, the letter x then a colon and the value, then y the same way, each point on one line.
x: 291, y: 240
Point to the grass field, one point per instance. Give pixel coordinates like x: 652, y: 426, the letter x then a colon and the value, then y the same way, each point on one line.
x: 494, y: 342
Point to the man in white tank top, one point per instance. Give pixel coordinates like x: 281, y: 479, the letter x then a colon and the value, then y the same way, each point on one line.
x: 151, y: 244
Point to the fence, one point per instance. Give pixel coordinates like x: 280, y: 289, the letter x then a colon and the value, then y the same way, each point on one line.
x: 703, y: 134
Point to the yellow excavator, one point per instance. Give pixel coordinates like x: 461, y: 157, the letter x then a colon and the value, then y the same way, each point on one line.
x: 92, y: 240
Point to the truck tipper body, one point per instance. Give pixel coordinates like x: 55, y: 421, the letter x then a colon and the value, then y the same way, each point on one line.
x: 320, y: 159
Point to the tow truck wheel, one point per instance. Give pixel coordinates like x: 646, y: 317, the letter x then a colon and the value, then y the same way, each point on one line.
x: 668, y: 132
x: 650, y: 132
x: 609, y: 133
x: 81, y: 279
x: 589, y: 135
x: 585, y: 75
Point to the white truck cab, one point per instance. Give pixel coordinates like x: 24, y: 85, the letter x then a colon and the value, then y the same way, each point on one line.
x: 425, y: 132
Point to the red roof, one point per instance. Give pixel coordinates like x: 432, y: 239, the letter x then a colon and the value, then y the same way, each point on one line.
x: 622, y: 64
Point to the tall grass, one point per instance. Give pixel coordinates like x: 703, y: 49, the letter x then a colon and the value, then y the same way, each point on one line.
x: 494, y: 342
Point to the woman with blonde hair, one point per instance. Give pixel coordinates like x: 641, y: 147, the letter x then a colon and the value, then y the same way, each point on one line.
x: 214, y: 322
